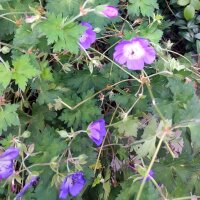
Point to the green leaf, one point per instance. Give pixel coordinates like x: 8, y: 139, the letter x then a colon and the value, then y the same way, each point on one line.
x: 51, y: 27
x: 152, y: 33
x: 189, y: 12
x: 23, y: 71
x: 64, y: 38
x: 126, y: 192
x: 195, y: 136
x: 25, y: 36
x: 66, y: 8
x: 178, y: 88
x: 127, y: 127
x: 183, y: 2
x: 195, y: 4
x: 5, y: 74
x: 147, y: 148
x: 191, y: 110
x: 69, y: 39
x: 8, y: 117
x: 145, y: 7
x: 84, y: 114
x: 150, y: 129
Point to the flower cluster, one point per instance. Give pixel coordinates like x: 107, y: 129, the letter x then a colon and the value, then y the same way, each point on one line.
x: 89, y: 36
x: 134, y: 54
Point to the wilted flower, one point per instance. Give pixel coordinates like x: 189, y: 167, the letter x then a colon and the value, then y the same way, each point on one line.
x: 89, y: 36
x: 176, y: 143
x: 134, y: 53
x: 97, y: 131
x: 7, y: 162
x: 72, y: 185
x: 31, y: 19
x: 34, y: 180
x: 110, y: 12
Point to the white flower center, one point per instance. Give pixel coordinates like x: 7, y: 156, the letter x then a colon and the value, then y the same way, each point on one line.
x: 133, y: 51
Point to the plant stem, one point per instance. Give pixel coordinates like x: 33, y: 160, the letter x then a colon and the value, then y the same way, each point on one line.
x: 150, y: 166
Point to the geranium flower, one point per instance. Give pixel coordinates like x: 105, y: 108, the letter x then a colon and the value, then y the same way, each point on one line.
x: 31, y: 183
x: 134, y: 53
x: 7, y: 162
x: 110, y: 12
x: 72, y: 185
x: 89, y: 36
x: 97, y: 131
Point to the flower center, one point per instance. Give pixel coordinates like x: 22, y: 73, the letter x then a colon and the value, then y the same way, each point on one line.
x: 133, y: 51
x: 83, y: 37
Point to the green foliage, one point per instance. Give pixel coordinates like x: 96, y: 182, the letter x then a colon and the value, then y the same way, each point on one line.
x: 82, y: 115
x: 145, y: 7
x: 8, y: 117
x: 47, y: 87
x: 23, y: 71
x: 127, y: 127
x: 5, y: 74
x: 66, y: 8
x: 64, y: 37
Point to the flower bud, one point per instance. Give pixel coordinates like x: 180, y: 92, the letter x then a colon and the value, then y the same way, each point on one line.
x: 107, y: 11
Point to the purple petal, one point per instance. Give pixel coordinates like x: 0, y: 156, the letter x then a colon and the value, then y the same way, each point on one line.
x: 120, y: 58
x: 151, y: 174
x: 76, y: 189
x: 72, y: 184
x: 64, y: 189
x: 97, y: 131
x: 150, y: 55
x: 135, y: 64
x: 10, y: 154
x: 86, y: 24
x: 6, y: 169
x: 78, y: 183
x: 88, y: 37
x: 33, y: 180
x: 121, y: 45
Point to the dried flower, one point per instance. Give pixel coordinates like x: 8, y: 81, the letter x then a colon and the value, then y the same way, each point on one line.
x: 97, y: 131
x: 89, y: 36
x: 31, y: 19
x: 134, y: 53
x: 72, y: 185
x: 7, y: 162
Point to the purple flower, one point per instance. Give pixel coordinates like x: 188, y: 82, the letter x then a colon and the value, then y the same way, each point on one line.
x: 110, y: 12
x: 134, y: 53
x: 151, y: 174
x: 89, y: 36
x: 34, y: 180
x: 7, y: 162
x: 72, y: 185
x: 97, y: 131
